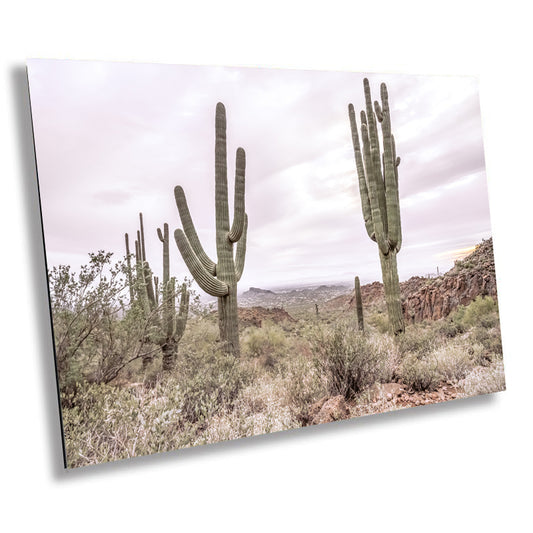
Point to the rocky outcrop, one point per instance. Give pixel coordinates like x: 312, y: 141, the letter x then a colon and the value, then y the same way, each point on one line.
x: 472, y: 277
x: 254, y: 290
x: 254, y: 316
x: 434, y: 298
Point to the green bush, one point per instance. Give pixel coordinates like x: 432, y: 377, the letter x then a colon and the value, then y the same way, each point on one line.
x: 267, y: 343
x: 209, y: 383
x: 482, y: 311
x: 379, y: 321
x: 490, y: 339
x: 416, y: 340
x: 455, y: 361
x: 419, y: 373
x: 450, y: 362
x: 447, y: 328
x: 302, y: 386
x: 348, y: 360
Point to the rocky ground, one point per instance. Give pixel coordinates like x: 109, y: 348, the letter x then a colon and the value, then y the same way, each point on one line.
x: 380, y: 398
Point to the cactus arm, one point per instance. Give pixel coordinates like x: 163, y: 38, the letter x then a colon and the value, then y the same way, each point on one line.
x: 156, y: 290
x: 378, y: 111
x: 128, y: 266
x: 163, y: 237
x: 390, y: 172
x: 376, y: 155
x: 143, y: 247
x: 181, y: 318
x: 241, y: 251
x: 206, y: 280
x: 190, y: 231
x: 363, y: 190
x: 221, y: 179
x: 149, y: 285
x: 239, y: 209
x: 373, y: 193
x: 397, y: 160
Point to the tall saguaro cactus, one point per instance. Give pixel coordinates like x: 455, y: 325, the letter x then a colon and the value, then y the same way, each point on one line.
x: 359, y: 305
x: 219, y: 279
x: 378, y: 185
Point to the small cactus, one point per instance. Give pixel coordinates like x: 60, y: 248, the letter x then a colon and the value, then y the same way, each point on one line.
x: 359, y: 305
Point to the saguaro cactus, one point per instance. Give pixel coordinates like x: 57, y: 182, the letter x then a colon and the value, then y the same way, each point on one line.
x: 172, y: 323
x: 128, y: 268
x: 359, y: 305
x: 378, y: 186
x: 219, y: 279
x: 166, y: 325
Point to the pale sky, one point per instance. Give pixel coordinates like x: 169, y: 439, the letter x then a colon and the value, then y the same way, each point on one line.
x: 113, y: 139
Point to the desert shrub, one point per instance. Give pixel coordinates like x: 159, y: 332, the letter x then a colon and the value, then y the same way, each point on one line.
x: 104, y: 422
x: 302, y: 385
x: 260, y: 408
x: 348, y: 360
x: 482, y: 311
x: 450, y: 362
x: 456, y: 360
x: 201, y: 334
x: 267, y: 343
x: 107, y: 423
x: 416, y: 340
x: 379, y: 321
x: 490, y: 339
x: 419, y: 373
x: 484, y: 380
x: 447, y: 328
x: 208, y: 383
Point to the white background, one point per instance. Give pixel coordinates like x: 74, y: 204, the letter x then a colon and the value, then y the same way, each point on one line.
x: 464, y: 466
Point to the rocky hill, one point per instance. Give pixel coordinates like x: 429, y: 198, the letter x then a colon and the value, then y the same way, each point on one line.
x: 435, y: 298
x: 473, y: 276
x: 254, y: 316
x: 291, y: 298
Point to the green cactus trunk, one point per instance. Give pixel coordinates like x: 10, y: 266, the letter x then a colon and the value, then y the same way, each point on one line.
x: 219, y: 279
x: 391, y: 287
x: 380, y: 200
x: 359, y: 305
x: 228, y: 321
x: 128, y: 269
x: 170, y: 353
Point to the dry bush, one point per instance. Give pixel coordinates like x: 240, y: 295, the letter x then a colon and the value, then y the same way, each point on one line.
x: 349, y: 360
x: 449, y: 362
x: 267, y: 343
x: 484, y: 380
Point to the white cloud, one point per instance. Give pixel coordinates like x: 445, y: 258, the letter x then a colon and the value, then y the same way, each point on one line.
x: 114, y: 139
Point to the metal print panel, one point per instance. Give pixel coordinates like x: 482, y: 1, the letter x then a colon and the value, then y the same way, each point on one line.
x: 238, y: 251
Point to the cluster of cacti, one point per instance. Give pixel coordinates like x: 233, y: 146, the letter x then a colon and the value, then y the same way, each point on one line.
x: 219, y: 279
x: 378, y: 187
x: 166, y: 324
x: 359, y: 305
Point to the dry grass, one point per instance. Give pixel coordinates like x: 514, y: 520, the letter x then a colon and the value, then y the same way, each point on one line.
x: 212, y: 398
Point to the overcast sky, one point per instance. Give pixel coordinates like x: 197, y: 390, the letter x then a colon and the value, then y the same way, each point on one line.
x: 113, y: 139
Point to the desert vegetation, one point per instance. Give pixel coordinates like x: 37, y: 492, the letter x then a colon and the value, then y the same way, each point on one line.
x: 144, y: 367
x: 116, y: 405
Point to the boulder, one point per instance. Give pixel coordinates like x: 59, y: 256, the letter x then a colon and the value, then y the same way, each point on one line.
x: 332, y: 409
